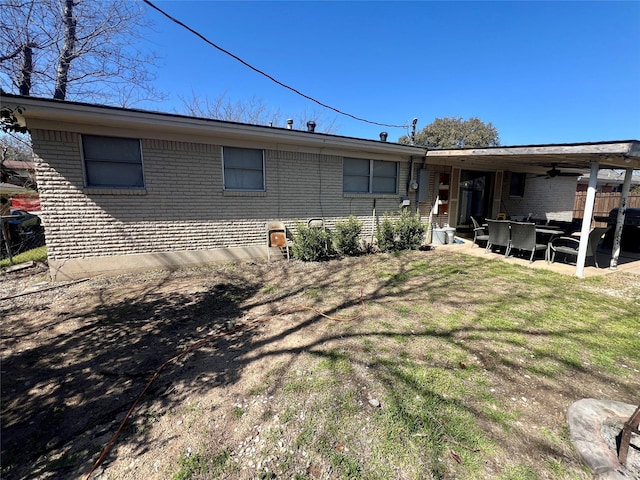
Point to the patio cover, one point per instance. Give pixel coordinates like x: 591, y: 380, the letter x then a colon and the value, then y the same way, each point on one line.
x: 622, y: 154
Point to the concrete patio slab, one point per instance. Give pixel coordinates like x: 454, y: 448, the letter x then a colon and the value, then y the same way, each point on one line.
x: 628, y: 261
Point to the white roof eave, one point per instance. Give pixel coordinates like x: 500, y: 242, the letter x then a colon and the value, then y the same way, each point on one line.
x: 42, y: 112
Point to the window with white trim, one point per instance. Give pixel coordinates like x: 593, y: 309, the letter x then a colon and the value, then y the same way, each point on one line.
x: 112, y: 162
x: 369, y: 176
x: 243, y: 169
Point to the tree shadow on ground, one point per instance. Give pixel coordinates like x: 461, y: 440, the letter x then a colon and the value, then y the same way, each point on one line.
x: 88, y: 376
x: 68, y: 390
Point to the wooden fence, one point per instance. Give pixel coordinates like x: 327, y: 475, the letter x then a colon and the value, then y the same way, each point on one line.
x: 605, y: 202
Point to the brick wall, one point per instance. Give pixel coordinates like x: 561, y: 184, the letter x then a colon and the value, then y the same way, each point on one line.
x: 545, y: 198
x: 183, y: 205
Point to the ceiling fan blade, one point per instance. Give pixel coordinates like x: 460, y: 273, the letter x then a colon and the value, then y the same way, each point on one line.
x: 568, y: 174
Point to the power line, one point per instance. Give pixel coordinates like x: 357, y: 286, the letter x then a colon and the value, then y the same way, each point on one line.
x: 18, y: 138
x: 257, y: 70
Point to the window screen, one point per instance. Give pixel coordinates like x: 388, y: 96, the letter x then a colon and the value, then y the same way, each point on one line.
x: 355, y: 175
x: 112, y: 162
x: 243, y: 169
x: 369, y: 176
x: 384, y: 177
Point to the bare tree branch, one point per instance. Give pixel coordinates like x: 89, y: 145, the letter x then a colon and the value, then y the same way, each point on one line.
x: 83, y: 50
x: 254, y: 111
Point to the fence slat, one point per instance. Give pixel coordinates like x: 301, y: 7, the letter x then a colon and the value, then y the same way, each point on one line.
x: 605, y: 202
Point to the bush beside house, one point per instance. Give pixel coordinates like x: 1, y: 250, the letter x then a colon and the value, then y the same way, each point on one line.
x: 402, y: 231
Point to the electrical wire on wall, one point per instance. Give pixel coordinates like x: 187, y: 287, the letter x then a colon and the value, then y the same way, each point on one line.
x: 277, y: 162
x: 320, y: 186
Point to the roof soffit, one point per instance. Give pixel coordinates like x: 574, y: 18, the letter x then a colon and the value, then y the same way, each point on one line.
x: 62, y: 115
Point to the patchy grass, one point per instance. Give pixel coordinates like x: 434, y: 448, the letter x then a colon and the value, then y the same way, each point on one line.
x: 455, y: 367
x: 35, y: 255
x: 201, y: 465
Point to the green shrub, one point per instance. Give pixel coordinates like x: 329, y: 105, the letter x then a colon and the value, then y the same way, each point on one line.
x: 347, y: 236
x: 400, y: 232
x: 385, y: 234
x: 409, y: 231
x: 312, y: 244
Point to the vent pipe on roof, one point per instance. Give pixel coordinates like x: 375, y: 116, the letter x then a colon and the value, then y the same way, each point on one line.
x: 290, y: 123
x: 383, y: 136
x: 311, y: 126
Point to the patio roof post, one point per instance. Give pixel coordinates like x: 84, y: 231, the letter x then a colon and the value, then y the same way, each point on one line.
x: 586, y: 219
x: 622, y: 211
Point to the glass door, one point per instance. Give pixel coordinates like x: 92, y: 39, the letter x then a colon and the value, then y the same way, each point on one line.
x: 476, y: 194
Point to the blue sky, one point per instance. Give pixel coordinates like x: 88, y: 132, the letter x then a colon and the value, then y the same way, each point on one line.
x: 541, y: 72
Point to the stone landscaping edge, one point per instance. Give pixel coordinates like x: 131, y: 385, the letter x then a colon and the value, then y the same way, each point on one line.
x: 586, y: 418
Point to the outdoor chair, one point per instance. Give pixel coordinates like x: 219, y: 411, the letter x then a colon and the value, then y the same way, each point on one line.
x: 480, y: 233
x: 277, y: 238
x: 498, y: 235
x: 523, y: 237
x: 569, y: 245
x: 319, y: 224
x: 315, y: 223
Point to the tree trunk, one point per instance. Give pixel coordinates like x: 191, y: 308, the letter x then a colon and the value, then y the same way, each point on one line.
x: 27, y: 69
x: 67, y: 54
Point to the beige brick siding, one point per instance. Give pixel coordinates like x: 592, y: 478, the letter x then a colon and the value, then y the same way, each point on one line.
x: 183, y: 205
x: 545, y: 198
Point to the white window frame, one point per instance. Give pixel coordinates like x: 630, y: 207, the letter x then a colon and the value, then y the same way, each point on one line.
x: 226, y: 170
x: 113, y: 162
x: 371, y: 177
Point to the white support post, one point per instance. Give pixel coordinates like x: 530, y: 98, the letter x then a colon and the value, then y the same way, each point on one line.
x: 586, y: 219
x: 622, y: 211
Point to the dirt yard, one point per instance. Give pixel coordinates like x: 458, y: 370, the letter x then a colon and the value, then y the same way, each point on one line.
x: 75, y: 357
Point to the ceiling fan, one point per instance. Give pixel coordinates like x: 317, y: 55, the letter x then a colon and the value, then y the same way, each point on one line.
x: 555, y: 172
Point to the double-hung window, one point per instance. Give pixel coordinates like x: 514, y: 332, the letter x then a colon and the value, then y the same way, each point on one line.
x: 243, y: 169
x: 369, y: 176
x: 112, y: 162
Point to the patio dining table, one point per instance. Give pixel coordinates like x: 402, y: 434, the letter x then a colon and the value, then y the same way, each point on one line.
x: 547, y: 234
x: 549, y: 231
